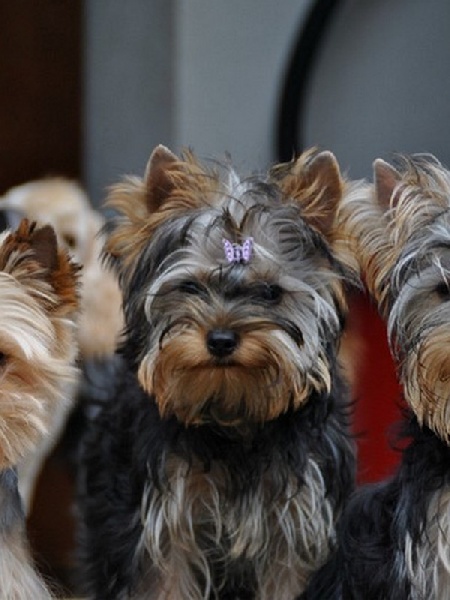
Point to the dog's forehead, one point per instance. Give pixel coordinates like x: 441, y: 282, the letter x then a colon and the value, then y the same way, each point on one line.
x: 260, y: 230
x: 269, y: 245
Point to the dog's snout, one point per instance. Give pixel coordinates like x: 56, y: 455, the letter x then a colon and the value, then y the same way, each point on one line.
x: 222, y: 342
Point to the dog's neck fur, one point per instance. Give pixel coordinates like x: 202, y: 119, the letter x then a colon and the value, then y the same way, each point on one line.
x: 270, y: 495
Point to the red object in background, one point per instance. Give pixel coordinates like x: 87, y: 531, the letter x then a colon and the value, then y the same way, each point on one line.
x: 376, y: 392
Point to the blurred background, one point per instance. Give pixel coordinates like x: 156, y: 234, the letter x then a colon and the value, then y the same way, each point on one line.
x: 88, y: 88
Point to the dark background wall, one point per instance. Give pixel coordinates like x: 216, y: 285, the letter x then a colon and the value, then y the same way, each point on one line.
x: 41, y: 89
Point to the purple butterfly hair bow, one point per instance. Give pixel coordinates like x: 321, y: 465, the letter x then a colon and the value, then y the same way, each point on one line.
x: 238, y: 253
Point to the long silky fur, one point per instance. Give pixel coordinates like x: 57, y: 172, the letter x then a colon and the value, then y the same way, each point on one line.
x: 141, y: 513
x: 394, y: 536
x: 203, y: 479
x: 18, y: 578
x: 38, y: 285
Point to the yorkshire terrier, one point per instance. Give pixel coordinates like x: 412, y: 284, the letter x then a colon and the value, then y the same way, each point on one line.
x: 220, y: 467
x: 64, y: 205
x: 395, y: 535
x: 38, y: 284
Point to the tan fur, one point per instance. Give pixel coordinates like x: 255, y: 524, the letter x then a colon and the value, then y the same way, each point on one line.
x: 38, y: 288
x: 170, y: 185
x: 36, y: 340
x: 64, y: 205
x: 314, y: 181
x: 197, y: 530
x: 406, y: 209
x: 328, y: 201
x: 256, y: 365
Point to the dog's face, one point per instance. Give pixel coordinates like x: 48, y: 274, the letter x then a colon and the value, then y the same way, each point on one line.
x: 39, y: 301
x: 233, y: 299
x: 415, y: 270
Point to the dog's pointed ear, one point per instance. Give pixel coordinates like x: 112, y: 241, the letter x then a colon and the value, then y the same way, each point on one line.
x: 31, y: 255
x: 324, y: 175
x: 61, y: 271
x: 315, y: 183
x: 386, y: 178
x: 158, y: 183
x: 44, y: 245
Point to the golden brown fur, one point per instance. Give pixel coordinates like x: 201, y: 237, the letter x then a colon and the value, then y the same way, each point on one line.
x: 64, y: 205
x: 39, y: 301
x: 313, y: 184
x: 400, y: 232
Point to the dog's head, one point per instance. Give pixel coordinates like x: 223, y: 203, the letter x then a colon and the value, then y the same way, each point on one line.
x: 38, y: 287
x: 233, y: 298
x: 414, y: 276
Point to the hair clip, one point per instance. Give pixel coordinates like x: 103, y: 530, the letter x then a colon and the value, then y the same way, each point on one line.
x: 238, y: 253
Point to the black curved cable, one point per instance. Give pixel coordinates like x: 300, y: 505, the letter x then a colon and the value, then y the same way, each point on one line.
x: 295, y: 83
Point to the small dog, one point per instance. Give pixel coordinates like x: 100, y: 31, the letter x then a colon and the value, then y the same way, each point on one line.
x: 64, y: 205
x: 394, y: 537
x: 220, y: 467
x: 38, y: 284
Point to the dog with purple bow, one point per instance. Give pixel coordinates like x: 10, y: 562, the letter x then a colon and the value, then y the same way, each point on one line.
x: 221, y: 466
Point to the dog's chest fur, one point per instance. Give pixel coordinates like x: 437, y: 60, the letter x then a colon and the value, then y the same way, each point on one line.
x: 275, y: 534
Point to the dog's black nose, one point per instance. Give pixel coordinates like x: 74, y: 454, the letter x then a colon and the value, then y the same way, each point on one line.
x: 222, y: 342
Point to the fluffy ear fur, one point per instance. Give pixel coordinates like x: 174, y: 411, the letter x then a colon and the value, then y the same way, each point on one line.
x: 158, y: 183
x: 386, y: 178
x: 170, y: 185
x: 314, y: 182
x: 29, y: 245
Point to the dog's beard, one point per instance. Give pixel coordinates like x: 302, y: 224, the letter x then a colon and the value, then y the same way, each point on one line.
x: 266, y: 375
x: 418, y: 327
x: 426, y: 373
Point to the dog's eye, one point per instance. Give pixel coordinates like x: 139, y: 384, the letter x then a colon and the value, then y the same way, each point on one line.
x: 270, y: 293
x: 443, y: 290
x: 191, y: 287
x: 3, y: 359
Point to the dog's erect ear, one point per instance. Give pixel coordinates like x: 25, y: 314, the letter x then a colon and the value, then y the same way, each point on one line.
x: 43, y: 243
x: 324, y: 176
x: 158, y: 183
x: 386, y: 179
x: 62, y: 272
x: 314, y: 182
x: 31, y: 255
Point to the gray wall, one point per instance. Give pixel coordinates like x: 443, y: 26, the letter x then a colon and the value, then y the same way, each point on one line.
x: 129, y: 95
x: 231, y: 57
x: 206, y: 74
x: 382, y: 83
x: 197, y: 73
